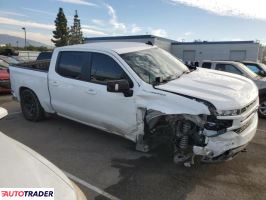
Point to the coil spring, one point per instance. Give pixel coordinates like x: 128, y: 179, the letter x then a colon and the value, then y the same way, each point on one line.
x: 183, y: 143
x: 186, y: 127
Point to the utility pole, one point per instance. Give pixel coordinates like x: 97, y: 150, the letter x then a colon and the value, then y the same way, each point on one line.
x: 25, y: 46
x: 17, y: 44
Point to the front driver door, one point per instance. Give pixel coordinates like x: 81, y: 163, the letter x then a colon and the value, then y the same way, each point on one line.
x: 113, y: 111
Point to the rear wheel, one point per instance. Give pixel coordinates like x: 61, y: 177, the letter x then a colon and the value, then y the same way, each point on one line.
x: 30, y: 106
x: 262, y: 107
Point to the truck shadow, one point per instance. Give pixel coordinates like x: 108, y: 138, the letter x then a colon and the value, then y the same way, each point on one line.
x: 157, y: 177
x: 141, y: 176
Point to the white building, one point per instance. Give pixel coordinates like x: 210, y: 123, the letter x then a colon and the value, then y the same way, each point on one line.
x: 227, y: 50
x: 196, y: 51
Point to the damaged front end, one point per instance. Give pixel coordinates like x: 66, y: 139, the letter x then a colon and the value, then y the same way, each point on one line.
x: 190, y: 136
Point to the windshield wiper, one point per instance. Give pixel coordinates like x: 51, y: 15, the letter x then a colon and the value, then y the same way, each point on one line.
x: 160, y: 80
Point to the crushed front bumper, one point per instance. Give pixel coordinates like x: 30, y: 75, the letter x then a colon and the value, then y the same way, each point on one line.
x: 227, y: 145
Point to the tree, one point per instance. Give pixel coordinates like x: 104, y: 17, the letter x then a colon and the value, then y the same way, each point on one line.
x: 76, y: 36
x: 61, y: 33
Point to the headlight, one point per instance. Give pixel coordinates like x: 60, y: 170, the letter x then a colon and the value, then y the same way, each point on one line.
x: 229, y: 112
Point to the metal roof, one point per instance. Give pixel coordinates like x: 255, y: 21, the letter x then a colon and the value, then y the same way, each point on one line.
x: 119, y: 47
x: 128, y: 37
x: 215, y: 42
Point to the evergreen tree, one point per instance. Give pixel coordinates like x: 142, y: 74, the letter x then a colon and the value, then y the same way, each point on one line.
x: 76, y: 36
x: 61, y: 33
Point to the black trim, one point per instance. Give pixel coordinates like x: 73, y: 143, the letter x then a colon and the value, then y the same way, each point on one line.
x: 262, y: 92
x: 210, y: 106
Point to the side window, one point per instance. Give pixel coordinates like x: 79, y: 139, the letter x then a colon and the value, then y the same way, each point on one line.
x: 206, y: 65
x: 228, y: 68
x: 70, y: 64
x: 104, y: 68
x: 255, y: 68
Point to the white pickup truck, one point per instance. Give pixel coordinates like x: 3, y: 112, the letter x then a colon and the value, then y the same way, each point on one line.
x: 144, y: 94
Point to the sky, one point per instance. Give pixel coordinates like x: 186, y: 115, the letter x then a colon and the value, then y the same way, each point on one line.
x: 181, y: 20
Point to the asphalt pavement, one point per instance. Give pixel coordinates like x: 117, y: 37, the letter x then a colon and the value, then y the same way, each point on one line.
x: 111, y: 164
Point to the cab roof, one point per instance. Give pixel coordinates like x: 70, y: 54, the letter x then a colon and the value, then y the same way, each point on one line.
x: 118, y: 47
x: 222, y: 61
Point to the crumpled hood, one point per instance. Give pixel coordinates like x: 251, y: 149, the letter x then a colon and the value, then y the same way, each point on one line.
x: 225, y: 91
x: 21, y: 167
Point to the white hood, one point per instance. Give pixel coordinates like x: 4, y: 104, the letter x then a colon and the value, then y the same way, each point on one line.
x: 3, y: 112
x: 225, y: 91
x: 21, y: 167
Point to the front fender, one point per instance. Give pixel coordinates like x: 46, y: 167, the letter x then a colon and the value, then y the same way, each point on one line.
x: 169, y: 103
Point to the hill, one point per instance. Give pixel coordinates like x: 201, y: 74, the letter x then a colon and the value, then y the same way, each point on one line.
x: 8, y: 39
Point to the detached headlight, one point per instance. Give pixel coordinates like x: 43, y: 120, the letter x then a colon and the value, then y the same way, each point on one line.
x: 229, y: 112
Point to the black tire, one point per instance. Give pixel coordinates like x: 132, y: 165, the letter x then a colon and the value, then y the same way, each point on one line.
x: 30, y: 106
x: 262, y: 107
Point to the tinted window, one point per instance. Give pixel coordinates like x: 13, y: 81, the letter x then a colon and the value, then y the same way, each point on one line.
x: 206, y: 65
x: 70, y: 64
x: 228, y: 68
x: 253, y: 67
x: 104, y: 69
x: 44, y: 56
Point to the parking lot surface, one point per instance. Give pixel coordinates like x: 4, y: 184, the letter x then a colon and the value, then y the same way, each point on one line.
x: 111, y: 164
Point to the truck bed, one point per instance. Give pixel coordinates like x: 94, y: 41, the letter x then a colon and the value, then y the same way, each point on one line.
x: 39, y: 65
x: 32, y: 75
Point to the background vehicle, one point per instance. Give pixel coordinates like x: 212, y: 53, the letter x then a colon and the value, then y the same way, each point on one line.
x: 4, y: 80
x: 21, y: 167
x: 258, y: 68
x: 241, y: 69
x: 6, y: 61
x: 47, y: 55
x: 144, y: 94
x: 4, y: 73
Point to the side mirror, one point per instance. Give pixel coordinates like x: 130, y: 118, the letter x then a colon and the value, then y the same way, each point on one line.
x: 262, y: 73
x: 3, y: 112
x: 120, y: 86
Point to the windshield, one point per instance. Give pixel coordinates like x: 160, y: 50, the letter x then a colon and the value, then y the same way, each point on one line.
x: 256, y: 67
x: 154, y: 62
x: 249, y: 72
x: 263, y: 66
x: 9, y: 60
x: 3, y: 64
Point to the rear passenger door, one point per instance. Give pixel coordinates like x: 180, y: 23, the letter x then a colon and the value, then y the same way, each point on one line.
x: 67, y: 84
